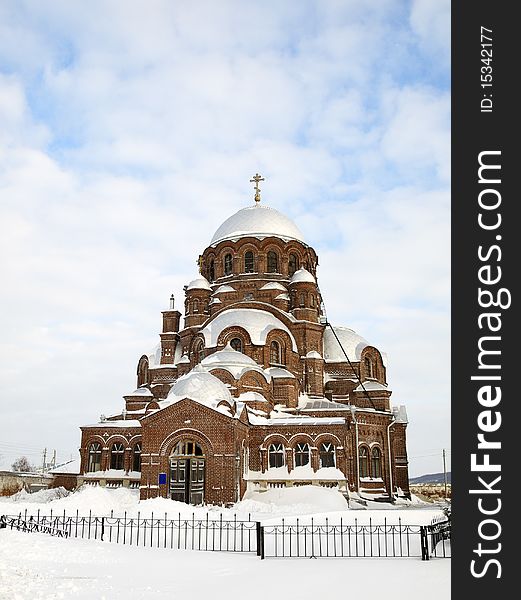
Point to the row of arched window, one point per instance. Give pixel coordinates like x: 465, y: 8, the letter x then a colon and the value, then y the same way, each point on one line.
x: 250, y: 264
x: 302, y: 455
x: 117, y: 454
x: 370, y: 462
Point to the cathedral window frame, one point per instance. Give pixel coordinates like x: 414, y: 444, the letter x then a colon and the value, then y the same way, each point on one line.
x: 187, y: 447
x: 369, y: 368
x: 237, y: 347
x: 272, y: 262
x: 117, y: 456
x: 228, y: 264
x: 275, y: 353
x: 136, y: 457
x: 376, y: 462
x: 326, y: 452
x: 249, y: 262
x: 302, y: 454
x: 293, y: 264
x: 363, y: 462
x: 94, y: 457
x: 198, y: 350
x: 211, y: 270
x: 276, y: 454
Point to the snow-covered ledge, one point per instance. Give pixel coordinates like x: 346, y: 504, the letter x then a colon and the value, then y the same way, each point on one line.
x: 111, y: 478
x: 305, y: 475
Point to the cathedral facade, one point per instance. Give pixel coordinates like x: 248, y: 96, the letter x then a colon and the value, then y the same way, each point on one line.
x: 255, y: 389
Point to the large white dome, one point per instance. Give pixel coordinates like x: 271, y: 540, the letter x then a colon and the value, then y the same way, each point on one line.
x: 257, y: 221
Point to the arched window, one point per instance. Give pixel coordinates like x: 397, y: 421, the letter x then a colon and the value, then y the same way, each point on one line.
x: 327, y: 455
x: 116, y: 456
x: 275, y: 353
x: 94, y: 457
x: 292, y: 264
x: 236, y: 344
x: 249, y: 262
x: 302, y: 300
x: 142, y: 373
x: 312, y: 298
x: 196, y: 306
x: 198, y: 350
x: 136, y: 457
x: 376, y: 462
x: 187, y: 448
x: 228, y: 264
x: 363, y: 462
x: 276, y: 455
x: 368, y: 367
x: 301, y: 455
x: 273, y: 262
x: 211, y: 270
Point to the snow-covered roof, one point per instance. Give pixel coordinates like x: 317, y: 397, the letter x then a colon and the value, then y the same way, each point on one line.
x: 183, y: 360
x: 277, y: 372
x: 282, y: 297
x: 302, y: 276
x: 274, y: 285
x: 258, y: 323
x: 352, y: 343
x: 154, y: 358
x: 257, y: 221
x: 216, y: 301
x: 71, y: 467
x: 400, y: 414
x: 201, y: 283
x: 202, y: 387
x: 252, y: 396
x: 142, y: 391
x: 322, y: 404
x: 301, y: 420
x: 233, y: 361
x: 371, y: 386
x: 121, y: 423
x: 224, y: 288
x: 313, y: 354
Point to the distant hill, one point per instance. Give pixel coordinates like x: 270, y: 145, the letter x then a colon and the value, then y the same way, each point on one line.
x: 431, y: 478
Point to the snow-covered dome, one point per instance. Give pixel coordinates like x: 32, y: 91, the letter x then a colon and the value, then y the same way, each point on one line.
x: 258, y: 221
x: 352, y: 343
x: 200, y: 386
x: 302, y: 276
x: 201, y: 283
x: 232, y: 361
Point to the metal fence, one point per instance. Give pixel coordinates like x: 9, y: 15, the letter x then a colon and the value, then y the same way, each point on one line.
x: 325, y: 539
x: 158, y: 532
x: 289, y: 538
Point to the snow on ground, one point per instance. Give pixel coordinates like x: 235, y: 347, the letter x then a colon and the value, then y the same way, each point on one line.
x: 272, y: 504
x: 39, y: 566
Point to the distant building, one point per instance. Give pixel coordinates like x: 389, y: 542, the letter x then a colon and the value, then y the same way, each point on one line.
x: 254, y: 390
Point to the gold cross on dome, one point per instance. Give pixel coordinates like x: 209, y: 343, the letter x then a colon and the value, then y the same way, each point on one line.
x: 256, y: 179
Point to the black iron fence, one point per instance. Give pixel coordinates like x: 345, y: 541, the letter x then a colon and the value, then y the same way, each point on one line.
x: 289, y: 538
x: 294, y: 538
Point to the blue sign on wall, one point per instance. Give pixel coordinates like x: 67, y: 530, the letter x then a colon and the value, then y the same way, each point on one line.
x: 162, y: 479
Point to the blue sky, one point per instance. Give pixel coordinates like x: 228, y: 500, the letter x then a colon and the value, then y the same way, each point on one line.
x: 129, y: 131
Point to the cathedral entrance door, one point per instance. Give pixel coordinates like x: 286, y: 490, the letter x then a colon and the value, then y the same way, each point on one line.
x: 187, y: 473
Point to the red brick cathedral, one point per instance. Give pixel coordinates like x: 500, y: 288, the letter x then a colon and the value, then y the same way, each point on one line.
x: 256, y: 389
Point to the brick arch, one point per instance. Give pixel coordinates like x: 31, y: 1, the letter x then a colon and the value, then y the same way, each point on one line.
x: 116, y: 437
x: 284, y: 341
x: 229, y: 333
x: 223, y: 375
x: 248, y: 246
x: 95, y: 438
x: 134, y: 439
x: 327, y: 437
x: 274, y: 438
x: 252, y: 378
x: 300, y: 437
x: 168, y: 444
x: 142, y: 371
x: 375, y: 356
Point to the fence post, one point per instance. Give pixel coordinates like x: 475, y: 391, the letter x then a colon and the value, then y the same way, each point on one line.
x: 3, y: 524
x: 424, y: 539
x: 102, y: 527
x: 262, y: 542
x: 258, y: 526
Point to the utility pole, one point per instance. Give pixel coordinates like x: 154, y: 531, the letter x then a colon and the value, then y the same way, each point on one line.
x: 44, y: 459
x: 53, y: 463
x: 445, y: 473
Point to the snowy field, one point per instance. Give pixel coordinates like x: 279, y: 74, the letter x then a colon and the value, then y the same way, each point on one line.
x: 35, y: 565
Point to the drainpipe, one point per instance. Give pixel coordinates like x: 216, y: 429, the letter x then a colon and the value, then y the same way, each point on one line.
x: 353, y: 410
x: 389, y: 453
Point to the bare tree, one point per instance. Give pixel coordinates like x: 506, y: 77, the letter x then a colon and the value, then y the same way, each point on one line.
x: 22, y: 465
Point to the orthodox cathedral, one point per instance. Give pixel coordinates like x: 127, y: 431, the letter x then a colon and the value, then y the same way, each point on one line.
x: 255, y: 389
